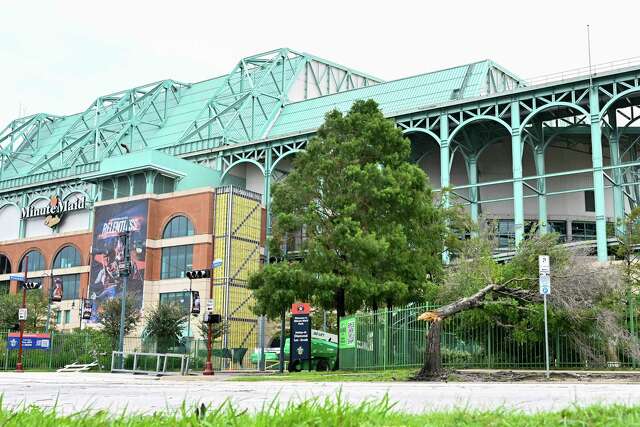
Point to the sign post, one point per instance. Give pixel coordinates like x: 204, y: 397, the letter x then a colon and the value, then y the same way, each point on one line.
x: 544, y: 280
x: 300, y: 339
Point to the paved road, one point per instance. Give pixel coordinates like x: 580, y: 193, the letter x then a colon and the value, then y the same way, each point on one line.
x: 114, y: 392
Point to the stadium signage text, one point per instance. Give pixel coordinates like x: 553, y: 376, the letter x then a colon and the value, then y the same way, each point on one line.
x: 54, y: 210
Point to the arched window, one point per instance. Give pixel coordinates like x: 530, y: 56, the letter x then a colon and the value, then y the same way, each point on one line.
x: 179, y: 226
x: 67, y: 257
x: 36, y: 261
x: 5, y: 264
x: 177, y: 260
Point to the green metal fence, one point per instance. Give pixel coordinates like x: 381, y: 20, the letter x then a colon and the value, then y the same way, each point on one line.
x: 388, y: 339
x: 79, y: 347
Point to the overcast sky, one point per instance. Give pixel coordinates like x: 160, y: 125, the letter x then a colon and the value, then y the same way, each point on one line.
x: 58, y: 59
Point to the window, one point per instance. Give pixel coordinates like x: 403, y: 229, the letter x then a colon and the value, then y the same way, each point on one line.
x: 67, y: 257
x: 124, y: 189
x: 176, y: 261
x: 67, y: 317
x: 589, y: 201
x: 58, y: 317
x: 70, y: 286
x: 505, y: 232
x: 107, y: 189
x: 5, y: 265
x: 559, y: 227
x: 182, y: 299
x: 179, y: 226
x: 139, y: 184
x: 583, y: 230
x: 162, y: 184
x: 36, y: 261
x: 4, y: 287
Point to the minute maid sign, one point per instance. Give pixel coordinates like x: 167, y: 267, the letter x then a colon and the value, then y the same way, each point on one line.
x: 54, y: 210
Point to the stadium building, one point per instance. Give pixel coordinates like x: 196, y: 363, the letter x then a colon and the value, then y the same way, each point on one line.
x: 187, y: 168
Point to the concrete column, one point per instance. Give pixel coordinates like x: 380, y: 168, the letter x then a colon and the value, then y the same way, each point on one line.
x: 598, y: 177
x: 516, y: 165
x: 616, y: 175
x: 543, y: 226
x: 444, y: 167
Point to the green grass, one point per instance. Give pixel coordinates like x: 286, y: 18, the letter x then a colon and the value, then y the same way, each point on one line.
x: 326, y: 413
x: 333, y: 376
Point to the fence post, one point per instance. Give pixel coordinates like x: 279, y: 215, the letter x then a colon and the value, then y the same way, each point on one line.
x: 489, y: 349
x: 51, y: 349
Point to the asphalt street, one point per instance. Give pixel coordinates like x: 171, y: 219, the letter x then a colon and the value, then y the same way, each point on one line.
x: 71, y: 392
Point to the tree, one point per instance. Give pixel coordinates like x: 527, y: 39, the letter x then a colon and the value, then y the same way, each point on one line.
x: 165, y: 324
x: 373, y: 235
x: 109, y: 317
x: 37, y: 306
x: 587, y: 298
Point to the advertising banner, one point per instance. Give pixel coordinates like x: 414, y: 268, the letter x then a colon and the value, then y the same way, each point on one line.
x: 348, y: 332
x: 111, y: 223
x: 29, y: 341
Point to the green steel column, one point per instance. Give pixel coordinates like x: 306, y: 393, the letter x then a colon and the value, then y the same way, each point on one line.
x: 23, y: 222
x: 266, y: 199
x: 472, y: 171
x: 618, y: 196
x: 598, y: 177
x: 543, y: 226
x: 444, y: 168
x: 516, y: 164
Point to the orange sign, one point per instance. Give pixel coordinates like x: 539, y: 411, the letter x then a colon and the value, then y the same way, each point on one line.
x: 300, y: 308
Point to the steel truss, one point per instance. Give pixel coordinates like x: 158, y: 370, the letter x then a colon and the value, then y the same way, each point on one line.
x: 536, y: 118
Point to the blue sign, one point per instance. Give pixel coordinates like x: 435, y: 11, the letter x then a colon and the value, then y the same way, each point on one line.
x: 300, y: 340
x: 216, y: 263
x: 17, y: 277
x: 29, y: 341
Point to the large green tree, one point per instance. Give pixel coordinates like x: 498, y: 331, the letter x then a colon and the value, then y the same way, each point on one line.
x: 109, y: 317
x: 373, y: 234
x: 165, y: 323
x: 37, y: 305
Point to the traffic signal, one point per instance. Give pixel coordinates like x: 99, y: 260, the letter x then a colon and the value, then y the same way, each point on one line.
x: 195, y: 302
x: 199, y: 274
x: 212, y: 318
x: 32, y: 285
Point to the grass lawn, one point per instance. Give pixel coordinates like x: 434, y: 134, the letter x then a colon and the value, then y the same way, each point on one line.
x: 333, y: 376
x: 325, y: 413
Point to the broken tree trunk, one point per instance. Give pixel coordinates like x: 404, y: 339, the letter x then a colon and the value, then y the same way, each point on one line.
x: 432, y: 366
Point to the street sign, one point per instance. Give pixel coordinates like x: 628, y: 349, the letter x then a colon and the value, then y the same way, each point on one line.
x: 210, y: 305
x: 545, y: 284
x: 17, y: 277
x: 543, y: 264
x: 216, y: 263
x: 29, y: 341
x: 22, y: 314
x: 300, y: 341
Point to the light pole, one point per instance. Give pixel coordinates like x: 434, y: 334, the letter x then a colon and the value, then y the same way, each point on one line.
x: 124, y: 269
x: 24, y: 305
x: 50, y: 292
x: 208, y: 367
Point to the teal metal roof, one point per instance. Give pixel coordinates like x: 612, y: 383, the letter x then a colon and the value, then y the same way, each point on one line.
x: 266, y: 95
x: 423, y: 90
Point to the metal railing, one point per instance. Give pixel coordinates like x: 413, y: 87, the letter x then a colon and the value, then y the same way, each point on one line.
x: 149, y: 363
x: 389, y: 339
x: 583, y: 71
